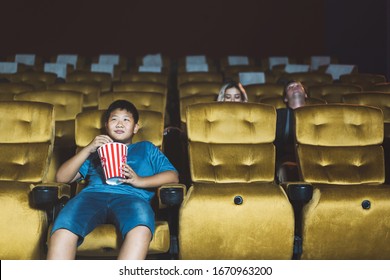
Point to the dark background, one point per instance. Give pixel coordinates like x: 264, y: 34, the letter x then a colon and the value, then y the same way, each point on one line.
x: 356, y: 32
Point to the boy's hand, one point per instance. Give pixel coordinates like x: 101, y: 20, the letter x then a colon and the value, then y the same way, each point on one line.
x: 99, y: 141
x: 131, y: 177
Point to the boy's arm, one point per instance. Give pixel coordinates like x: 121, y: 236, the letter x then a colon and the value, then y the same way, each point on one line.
x: 69, y: 170
x: 166, y: 177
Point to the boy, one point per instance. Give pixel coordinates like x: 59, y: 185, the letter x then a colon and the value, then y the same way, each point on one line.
x: 126, y: 205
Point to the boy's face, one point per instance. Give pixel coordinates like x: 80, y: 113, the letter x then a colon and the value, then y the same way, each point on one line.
x: 121, y: 126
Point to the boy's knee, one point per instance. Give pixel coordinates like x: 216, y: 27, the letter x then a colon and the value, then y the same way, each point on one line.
x: 64, y: 235
x: 140, y: 231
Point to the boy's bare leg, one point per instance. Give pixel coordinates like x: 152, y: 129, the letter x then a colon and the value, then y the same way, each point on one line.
x: 62, y: 245
x: 136, y: 244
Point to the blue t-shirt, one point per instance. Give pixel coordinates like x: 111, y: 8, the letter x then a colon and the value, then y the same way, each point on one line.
x: 143, y: 157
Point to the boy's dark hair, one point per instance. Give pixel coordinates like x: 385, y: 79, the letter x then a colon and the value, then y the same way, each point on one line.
x: 122, y: 105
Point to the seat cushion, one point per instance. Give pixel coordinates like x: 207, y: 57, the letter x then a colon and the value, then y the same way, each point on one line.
x: 213, y: 226
x: 106, y: 241
x: 347, y: 222
x: 23, y: 227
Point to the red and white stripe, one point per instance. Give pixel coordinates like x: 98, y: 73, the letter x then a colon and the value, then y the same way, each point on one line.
x: 112, y: 156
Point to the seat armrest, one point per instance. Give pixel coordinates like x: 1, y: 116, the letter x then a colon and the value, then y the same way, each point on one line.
x: 298, y: 192
x: 45, y: 196
x: 171, y: 195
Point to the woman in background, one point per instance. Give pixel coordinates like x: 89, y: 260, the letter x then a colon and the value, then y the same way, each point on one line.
x: 232, y: 92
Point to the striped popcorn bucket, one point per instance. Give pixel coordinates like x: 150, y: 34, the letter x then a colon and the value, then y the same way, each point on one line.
x: 112, y: 156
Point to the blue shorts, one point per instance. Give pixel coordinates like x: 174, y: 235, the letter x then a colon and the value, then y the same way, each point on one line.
x: 87, y: 210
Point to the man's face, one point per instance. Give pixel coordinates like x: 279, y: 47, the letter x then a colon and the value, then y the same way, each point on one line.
x: 121, y: 126
x: 295, y: 95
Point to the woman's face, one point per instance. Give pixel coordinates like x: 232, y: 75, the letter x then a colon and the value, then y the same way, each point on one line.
x: 233, y: 95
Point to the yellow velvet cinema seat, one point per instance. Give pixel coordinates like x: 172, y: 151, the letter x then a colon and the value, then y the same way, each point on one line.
x: 67, y: 105
x: 104, y: 241
x: 333, y: 93
x: 9, y: 90
x: 151, y: 77
x: 339, y: 152
x: 103, y: 80
x: 26, y: 145
x: 215, y: 77
x: 196, y: 92
x: 256, y: 92
x: 382, y: 101
x: 233, y: 210
x: 91, y: 92
x: 40, y: 80
x: 141, y: 87
x: 365, y: 80
x: 381, y: 87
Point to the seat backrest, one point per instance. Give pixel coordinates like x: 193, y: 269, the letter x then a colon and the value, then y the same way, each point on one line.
x: 332, y: 93
x: 382, y: 87
x: 89, y: 124
x: 144, y: 101
x: 26, y: 141
x: 39, y: 79
x: 231, y: 142
x: 91, y: 92
x: 377, y: 99
x: 194, y: 99
x: 9, y: 90
x: 183, y: 78
x: 199, y: 88
x: 161, y: 78
x: 277, y: 101
x: 67, y: 105
x: 103, y: 80
x: 141, y: 87
x: 365, y: 80
x: 257, y: 91
x: 340, y: 144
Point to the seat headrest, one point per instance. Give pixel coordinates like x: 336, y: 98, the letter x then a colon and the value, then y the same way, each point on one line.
x: 339, y: 125
x: 26, y: 122
x: 231, y: 123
